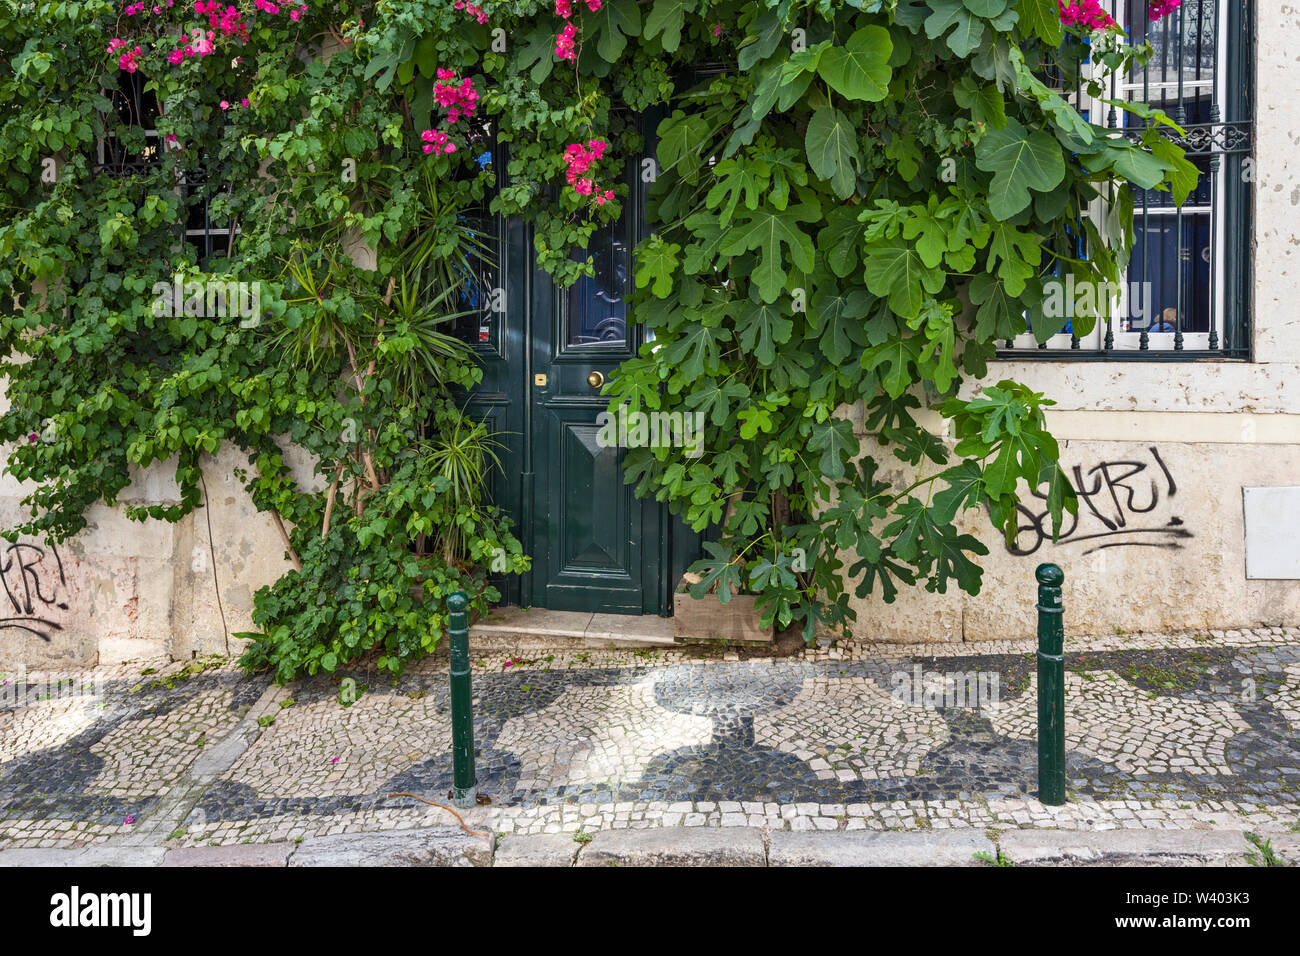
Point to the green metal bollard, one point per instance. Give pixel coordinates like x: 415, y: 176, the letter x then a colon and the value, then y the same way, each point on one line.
x: 1051, y: 686
x: 464, y: 791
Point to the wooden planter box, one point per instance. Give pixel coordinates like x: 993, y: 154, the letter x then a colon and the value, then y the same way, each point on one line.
x: 708, y: 619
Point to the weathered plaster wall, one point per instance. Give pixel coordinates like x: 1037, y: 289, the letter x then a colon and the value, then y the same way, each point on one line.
x: 1159, y: 545
x: 126, y: 590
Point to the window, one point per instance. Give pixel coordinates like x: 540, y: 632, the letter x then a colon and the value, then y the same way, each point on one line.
x: 132, y: 148
x: 1187, y: 291
x: 479, y: 266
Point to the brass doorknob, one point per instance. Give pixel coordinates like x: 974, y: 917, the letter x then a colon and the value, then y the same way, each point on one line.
x: 595, y: 379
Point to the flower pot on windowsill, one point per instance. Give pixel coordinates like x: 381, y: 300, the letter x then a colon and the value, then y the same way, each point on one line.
x: 708, y: 619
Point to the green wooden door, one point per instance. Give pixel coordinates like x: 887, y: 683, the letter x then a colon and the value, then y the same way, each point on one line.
x: 595, y: 546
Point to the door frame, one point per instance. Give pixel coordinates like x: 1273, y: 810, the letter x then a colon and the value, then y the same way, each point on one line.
x: 525, y: 335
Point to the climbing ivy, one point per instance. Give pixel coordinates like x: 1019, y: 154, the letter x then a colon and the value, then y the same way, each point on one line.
x: 850, y: 203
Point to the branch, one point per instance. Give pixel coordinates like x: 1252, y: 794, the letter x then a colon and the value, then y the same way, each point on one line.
x: 329, y: 502
x: 284, y: 536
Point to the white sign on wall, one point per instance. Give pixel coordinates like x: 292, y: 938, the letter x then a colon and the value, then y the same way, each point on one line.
x: 1272, y: 533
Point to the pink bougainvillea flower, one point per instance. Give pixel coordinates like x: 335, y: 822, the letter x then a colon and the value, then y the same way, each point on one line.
x: 472, y: 9
x: 564, y: 43
x: 1086, y: 13
x: 129, y: 820
x: 127, y: 61
x: 436, y: 139
x: 564, y: 8
x: 335, y: 760
x: 1162, y: 8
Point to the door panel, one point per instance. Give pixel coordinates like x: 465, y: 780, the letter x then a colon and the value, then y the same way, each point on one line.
x: 592, y: 559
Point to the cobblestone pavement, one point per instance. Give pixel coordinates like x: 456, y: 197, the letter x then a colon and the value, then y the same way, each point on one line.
x: 1197, y: 730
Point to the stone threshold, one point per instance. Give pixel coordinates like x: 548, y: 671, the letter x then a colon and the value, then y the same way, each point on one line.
x: 511, y: 624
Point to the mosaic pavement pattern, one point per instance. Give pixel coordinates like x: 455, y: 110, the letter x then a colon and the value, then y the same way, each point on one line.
x: 1181, y: 734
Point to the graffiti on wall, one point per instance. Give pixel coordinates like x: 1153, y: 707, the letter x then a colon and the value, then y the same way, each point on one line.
x: 36, y: 588
x: 1120, y: 506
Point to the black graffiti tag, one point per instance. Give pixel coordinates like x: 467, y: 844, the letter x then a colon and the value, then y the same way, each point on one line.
x: 1115, y: 495
x: 31, y: 595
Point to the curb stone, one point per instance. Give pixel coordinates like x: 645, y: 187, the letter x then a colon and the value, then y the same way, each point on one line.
x: 675, y: 846
x: 1125, y: 847
x: 430, y: 846
x: 1285, y: 845
x: 238, y: 854
x: 542, y: 849
x: 84, y: 856
x: 867, y: 848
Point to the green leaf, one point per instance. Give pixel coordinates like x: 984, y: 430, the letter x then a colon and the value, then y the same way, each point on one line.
x: 737, y: 180
x: 860, y: 69
x: 697, y: 352
x: 615, y: 21
x: 716, y: 570
x: 967, y: 30
x: 832, y: 147
x: 657, y: 261
x: 682, y: 140
x: 898, y: 354
x: 769, y: 33
x: 999, y: 316
x: 1042, y: 17
x: 835, y: 440
x: 1183, y: 172
x: 766, y: 230
x: 761, y: 327
x: 666, y: 17
x: 965, y: 490
x: 836, y: 320
x: 1020, y: 161
x: 895, y: 270
x: 839, y: 239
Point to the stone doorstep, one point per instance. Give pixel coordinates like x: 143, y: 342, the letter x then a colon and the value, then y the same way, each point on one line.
x: 594, y: 630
